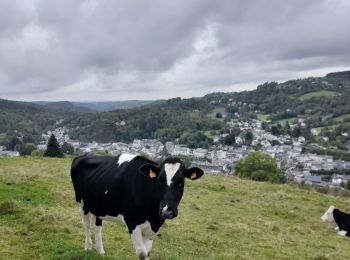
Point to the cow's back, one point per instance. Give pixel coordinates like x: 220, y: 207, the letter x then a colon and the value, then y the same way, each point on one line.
x: 97, y: 182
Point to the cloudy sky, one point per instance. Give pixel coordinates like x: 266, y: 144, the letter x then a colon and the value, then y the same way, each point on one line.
x: 155, y: 49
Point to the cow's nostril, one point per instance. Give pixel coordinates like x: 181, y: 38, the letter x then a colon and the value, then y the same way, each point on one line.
x: 167, y: 214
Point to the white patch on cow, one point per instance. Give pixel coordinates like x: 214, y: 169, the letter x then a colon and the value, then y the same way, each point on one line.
x: 170, y: 170
x: 98, y: 240
x: 125, y: 158
x: 165, y: 208
x: 106, y: 192
x: 342, y: 233
x: 336, y: 228
x: 328, y: 215
x: 142, y: 241
x: 119, y: 218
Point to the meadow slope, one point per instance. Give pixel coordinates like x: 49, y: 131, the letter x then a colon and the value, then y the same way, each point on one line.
x: 219, y: 218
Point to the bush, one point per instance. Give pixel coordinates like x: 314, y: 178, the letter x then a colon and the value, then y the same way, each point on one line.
x: 25, y: 149
x: 37, y: 153
x: 259, y: 167
x: 67, y: 148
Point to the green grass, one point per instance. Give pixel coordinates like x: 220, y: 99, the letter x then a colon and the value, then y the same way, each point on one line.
x: 322, y: 93
x: 219, y: 218
x: 262, y: 117
x: 341, y: 118
x: 283, y: 122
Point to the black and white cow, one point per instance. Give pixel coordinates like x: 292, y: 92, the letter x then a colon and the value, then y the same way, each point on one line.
x: 131, y: 189
x: 340, y: 218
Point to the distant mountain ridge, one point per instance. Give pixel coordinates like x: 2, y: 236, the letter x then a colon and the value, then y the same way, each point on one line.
x: 98, y: 106
x: 65, y: 105
x: 28, y: 117
x: 103, y: 106
x: 343, y: 75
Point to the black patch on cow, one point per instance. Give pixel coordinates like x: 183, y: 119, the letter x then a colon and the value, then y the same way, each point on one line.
x: 98, y: 222
x: 342, y: 219
x: 172, y: 160
x: 193, y: 173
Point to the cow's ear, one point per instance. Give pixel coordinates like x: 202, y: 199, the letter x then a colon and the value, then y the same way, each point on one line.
x: 150, y: 170
x: 193, y: 173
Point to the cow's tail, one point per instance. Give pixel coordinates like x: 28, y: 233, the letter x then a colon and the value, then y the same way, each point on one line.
x: 74, y: 173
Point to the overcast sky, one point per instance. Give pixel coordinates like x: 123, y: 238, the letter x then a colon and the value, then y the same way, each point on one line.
x: 134, y: 49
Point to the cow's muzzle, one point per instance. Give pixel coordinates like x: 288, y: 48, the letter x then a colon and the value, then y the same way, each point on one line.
x: 167, y: 213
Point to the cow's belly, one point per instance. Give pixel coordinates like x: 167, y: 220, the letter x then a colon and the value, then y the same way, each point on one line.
x: 119, y: 218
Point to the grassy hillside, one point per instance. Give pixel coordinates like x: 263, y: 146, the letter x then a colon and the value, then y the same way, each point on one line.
x: 219, y: 218
x: 322, y: 93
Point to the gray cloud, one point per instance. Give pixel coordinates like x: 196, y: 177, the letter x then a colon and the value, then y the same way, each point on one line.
x: 105, y: 50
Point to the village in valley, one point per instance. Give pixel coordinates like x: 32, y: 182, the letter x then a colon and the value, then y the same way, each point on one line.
x: 295, y: 164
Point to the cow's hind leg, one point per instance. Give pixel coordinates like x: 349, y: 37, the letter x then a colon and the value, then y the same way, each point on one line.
x: 86, y: 223
x: 137, y: 241
x: 98, y: 236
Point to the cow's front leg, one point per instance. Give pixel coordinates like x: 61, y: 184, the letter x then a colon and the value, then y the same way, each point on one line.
x: 137, y: 241
x: 148, y: 244
x: 98, y: 236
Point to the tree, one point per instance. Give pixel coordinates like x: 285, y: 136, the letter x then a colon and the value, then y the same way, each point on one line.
x: 67, y: 148
x: 53, y: 148
x: 218, y: 115
x: 296, y: 131
x: 11, y: 144
x: 275, y: 130
x: 347, y: 185
x: 248, y: 137
x: 259, y: 167
x: 229, y: 139
x: 25, y: 149
x: 28, y: 139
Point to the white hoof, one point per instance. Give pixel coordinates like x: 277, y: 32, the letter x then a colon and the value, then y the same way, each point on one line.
x: 100, y: 251
x: 342, y: 233
x: 88, y: 244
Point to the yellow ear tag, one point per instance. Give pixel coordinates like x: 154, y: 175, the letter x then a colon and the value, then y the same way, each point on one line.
x: 152, y: 174
x: 193, y: 175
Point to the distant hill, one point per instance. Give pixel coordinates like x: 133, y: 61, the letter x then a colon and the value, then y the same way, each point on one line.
x: 65, y: 105
x: 112, y: 105
x: 194, y: 121
x: 101, y: 106
x: 343, y: 75
x: 29, y: 118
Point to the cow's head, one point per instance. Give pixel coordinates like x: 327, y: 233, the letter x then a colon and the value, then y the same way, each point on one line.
x: 170, y: 177
x: 328, y: 215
